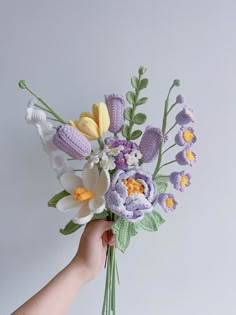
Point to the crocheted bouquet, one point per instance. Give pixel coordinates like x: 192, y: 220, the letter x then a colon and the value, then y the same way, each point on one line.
x: 112, y: 182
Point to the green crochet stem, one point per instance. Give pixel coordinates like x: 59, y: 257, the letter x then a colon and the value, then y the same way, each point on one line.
x: 131, y: 122
x: 47, y: 108
x: 164, y: 124
x: 112, y: 275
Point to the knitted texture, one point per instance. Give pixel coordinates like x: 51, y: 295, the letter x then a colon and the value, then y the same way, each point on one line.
x: 126, y: 199
x: 45, y: 130
x: 185, y: 116
x: 72, y: 142
x: 116, y: 106
x: 93, y: 125
x: 150, y: 143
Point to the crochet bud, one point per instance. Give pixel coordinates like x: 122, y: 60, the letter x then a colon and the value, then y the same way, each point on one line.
x: 71, y: 141
x: 116, y: 106
x: 176, y: 82
x: 22, y: 84
x: 142, y: 70
x: 150, y: 143
x: 35, y: 116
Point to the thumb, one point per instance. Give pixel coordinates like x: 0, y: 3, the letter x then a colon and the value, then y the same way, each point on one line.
x: 103, y: 226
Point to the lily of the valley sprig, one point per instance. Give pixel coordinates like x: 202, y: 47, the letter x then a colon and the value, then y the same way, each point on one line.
x: 110, y: 180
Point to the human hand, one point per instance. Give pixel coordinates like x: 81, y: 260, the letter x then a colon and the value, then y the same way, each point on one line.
x: 92, y: 249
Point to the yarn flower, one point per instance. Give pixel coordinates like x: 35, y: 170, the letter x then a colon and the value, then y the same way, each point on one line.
x: 186, y: 157
x: 185, y: 136
x: 93, y: 125
x: 131, y: 194
x: 185, y: 116
x: 179, y: 99
x: 116, y: 106
x: 86, y: 193
x: 126, y: 153
x: 72, y: 141
x: 167, y: 202
x: 180, y: 180
x: 150, y: 143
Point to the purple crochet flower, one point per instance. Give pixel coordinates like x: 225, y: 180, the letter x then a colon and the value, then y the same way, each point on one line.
x: 186, y: 157
x: 120, y: 161
x: 185, y: 136
x: 167, y: 202
x: 180, y: 180
x: 116, y: 106
x: 150, y: 143
x: 179, y: 99
x: 185, y: 116
x: 72, y: 142
x: 131, y: 194
x: 128, y: 155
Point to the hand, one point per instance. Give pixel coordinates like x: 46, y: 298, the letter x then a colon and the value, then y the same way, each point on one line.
x: 92, y: 249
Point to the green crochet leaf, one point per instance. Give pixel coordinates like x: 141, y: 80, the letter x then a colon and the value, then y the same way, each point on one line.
x: 134, y: 82
x: 98, y: 216
x: 71, y: 227
x: 136, y: 134
x: 140, y: 119
x: 162, y: 184
x: 123, y: 231
x: 53, y: 201
x: 142, y: 100
x: 143, y: 84
x: 125, y: 131
x: 150, y: 222
x: 128, y: 113
x: 130, y: 96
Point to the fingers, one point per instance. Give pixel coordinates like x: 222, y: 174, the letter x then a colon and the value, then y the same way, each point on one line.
x: 100, y: 226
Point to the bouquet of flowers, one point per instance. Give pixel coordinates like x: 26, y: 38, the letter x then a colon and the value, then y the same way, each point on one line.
x: 112, y: 182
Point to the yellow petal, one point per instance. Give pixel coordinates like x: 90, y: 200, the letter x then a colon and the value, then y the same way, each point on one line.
x: 101, y: 113
x: 73, y: 123
x: 89, y: 128
x: 87, y: 114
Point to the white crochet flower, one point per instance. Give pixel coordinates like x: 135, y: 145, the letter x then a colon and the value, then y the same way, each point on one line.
x: 133, y: 157
x: 86, y: 193
x: 107, y: 163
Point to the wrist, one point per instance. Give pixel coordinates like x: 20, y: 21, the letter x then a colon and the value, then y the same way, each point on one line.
x: 80, y: 270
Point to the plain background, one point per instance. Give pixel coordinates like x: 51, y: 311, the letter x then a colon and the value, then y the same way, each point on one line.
x: 72, y: 53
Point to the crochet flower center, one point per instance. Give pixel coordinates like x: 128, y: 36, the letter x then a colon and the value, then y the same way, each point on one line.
x: 190, y: 155
x: 184, y: 181
x: 188, y: 135
x: 133, y: 186
x: 81, y: 194
x: 170, y: 202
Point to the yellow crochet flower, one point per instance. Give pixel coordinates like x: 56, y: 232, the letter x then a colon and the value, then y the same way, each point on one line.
x: 93, y: 125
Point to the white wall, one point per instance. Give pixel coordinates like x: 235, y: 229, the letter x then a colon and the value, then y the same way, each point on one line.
x: 72, y: 52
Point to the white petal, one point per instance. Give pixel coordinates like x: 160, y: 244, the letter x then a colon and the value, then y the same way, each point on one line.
x: 70, y: 181
x: 97, y: 204
x: 102, y: 184
x: 84, y: 215
x: 90, y: 176
x: 67, y: 203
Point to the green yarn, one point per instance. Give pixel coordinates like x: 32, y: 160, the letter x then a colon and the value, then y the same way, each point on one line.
x: 72, y: 227
x: 150, y: 222
x: 53, y: 201
x: 124, y: 229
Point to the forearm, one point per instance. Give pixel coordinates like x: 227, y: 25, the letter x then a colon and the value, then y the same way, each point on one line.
x: 57, y: 295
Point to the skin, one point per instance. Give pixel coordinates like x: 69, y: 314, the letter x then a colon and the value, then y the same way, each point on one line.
x: 84, y: 267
